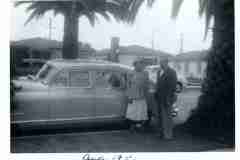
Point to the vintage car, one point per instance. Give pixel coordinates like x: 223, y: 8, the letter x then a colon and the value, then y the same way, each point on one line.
x: 70, y: 91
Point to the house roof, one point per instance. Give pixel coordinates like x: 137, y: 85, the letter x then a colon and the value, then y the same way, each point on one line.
x: 135, y: 50
x: 38, y: 43
x: 46, y: 44
x: 192, y: 55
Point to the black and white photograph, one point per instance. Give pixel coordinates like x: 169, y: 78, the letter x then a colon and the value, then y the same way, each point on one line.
x: 120, y: 76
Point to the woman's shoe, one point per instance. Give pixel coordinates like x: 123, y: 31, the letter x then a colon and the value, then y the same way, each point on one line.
x: 139, y: 125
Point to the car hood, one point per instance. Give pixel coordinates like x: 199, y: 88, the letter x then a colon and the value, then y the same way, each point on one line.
x: 25, y: 84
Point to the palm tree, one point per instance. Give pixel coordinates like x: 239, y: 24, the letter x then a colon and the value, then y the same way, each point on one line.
x: 215, y: 113
x: 72, y: 10
x: 216, y: 108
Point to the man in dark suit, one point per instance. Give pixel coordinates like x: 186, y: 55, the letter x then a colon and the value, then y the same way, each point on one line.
x: 165, y: 96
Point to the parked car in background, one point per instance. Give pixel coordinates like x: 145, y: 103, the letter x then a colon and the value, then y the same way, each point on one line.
x: 71, y: 91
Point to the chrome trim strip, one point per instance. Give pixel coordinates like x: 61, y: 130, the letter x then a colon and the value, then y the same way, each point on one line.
x: 17, y: 114
x: 67, y: 134
x: 64, y: 119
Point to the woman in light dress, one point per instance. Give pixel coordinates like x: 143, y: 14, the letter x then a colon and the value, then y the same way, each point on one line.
x: 137, y: 112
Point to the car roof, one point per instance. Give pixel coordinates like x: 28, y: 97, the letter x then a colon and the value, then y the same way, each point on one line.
x: 88, y: 63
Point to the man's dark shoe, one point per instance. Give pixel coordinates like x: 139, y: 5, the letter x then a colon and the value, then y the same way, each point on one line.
x: 168, y: 138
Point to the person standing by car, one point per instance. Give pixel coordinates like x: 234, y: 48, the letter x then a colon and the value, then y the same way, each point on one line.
x: 165, y: 97
x: 137, y: 112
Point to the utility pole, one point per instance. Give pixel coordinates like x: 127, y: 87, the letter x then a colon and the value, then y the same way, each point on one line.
x: 152, y: 39
x: 181, y: 44
x: 50, y: 27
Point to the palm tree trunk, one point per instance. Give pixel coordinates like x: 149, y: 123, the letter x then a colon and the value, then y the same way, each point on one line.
x: 215, y: 113
x: 70, y: 37
x: 220, y: 70
x: 222, y: 55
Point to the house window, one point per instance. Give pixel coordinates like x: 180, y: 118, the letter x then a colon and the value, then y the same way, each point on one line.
x: 199, y: 67
x: 186, y: 67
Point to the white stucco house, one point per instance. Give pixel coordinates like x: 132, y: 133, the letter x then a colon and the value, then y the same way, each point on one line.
x: 190, y: 64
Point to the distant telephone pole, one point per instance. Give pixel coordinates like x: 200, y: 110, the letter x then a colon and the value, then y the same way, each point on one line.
x: 152, y: 40
x: 181, y: 43
x: 50, y: 29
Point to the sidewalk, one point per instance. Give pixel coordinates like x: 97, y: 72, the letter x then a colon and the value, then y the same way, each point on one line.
x: 111, y: 141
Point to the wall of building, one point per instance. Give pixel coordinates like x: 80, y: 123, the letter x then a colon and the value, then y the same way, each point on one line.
x: 192, y: 68
x: 129, y: 59
x: 126, y: 59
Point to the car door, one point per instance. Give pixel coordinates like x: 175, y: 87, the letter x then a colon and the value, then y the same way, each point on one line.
x: 110, y: 95
x: 30, y: 106
x: 58, y: 93
x: 74, y: 100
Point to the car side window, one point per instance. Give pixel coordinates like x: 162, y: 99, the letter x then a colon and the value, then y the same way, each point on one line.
x: 79, y: 79
x: 61, y: 79
x: 110, y: 79
x: 102, y: 79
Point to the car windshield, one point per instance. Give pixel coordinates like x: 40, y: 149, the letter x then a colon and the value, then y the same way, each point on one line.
x: 45, y: 73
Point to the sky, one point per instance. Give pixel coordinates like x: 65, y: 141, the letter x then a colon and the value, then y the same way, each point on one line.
x: 151, y: 23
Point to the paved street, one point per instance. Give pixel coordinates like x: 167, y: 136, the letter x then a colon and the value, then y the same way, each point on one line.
x: 115, y: 141
x: 119, y: 140
x: 187, y: 100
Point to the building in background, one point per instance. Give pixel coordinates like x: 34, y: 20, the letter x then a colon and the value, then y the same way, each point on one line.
x: 40, y: 48
x: 37, y: 46
x: 28, y: 55
x: 127, y: 54
x: 190, y: 64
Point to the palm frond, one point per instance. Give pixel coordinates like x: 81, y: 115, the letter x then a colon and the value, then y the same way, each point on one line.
x: 205, y: 7
x: 176, y: 5
x: 209, y: 15
x: 202, y: 7
x: 37, y: 12
x: 121, y: 10
x: 105, y: 15
x: 134, y: 7
x: 18, y: 3
x: 91, y: 17
x: 150, y: 2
